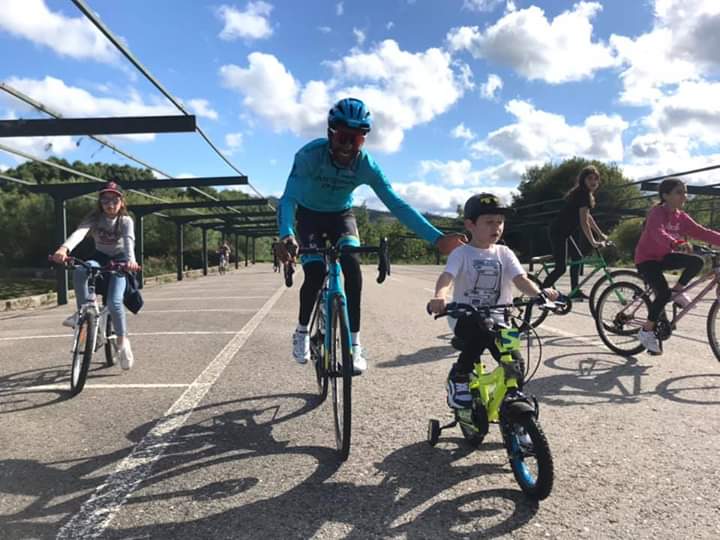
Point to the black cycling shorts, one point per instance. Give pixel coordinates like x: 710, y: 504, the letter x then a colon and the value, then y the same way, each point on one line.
x: 314, y: 228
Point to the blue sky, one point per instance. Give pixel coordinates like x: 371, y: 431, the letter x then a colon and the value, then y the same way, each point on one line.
x: 466, y: 94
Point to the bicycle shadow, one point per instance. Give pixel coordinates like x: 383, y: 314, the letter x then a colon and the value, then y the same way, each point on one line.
x: 235, y: 435
x: 404, y: 502
x: 590, y: 380
x: 16, y: 388
x: 683, y: 389
x: 423, y: 356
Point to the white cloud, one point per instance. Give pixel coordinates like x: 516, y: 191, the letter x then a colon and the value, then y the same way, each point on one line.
x: 431, y: 198
x: 202, y: 108
x: 324, y: 29
x: 234, y: 142
x: 3, y: 167
x: 462, y: 132
x: 494, y: 84
x: 339, y: 9
x: 249, y: 24
x: 541, y: 136
x: 554, y: 51
x: 75, y: 37
x: 462, y: 173
x: 481, y: 5
x: 389, y: 25
x: 359, y: 36
x: 402, y: 90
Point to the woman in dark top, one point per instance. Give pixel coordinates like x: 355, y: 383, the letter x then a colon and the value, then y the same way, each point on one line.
x: 576, y: 212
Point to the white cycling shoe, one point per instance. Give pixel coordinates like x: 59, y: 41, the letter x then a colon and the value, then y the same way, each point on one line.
x: 360, y: 364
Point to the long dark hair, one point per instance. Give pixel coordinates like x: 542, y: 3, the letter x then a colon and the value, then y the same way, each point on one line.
x: 666, y: 186
x: 580, y: 185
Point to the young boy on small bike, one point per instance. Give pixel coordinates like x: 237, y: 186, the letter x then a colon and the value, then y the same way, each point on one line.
x: 482, y: 274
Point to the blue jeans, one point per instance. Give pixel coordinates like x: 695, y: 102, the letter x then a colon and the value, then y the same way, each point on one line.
x: 114, y: 297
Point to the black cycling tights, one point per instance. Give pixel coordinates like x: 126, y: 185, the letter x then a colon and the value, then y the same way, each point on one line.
x: 314, y: 275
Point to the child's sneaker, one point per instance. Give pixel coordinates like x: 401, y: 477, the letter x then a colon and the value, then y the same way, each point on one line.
x: 458, y: 390
x: 127, y: 359
x: 649, y: 340
x: 71, y: 321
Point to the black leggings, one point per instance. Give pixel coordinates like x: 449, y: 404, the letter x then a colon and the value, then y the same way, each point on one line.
x: 560, y: 253
x: 652, y: 273
x: 475, y: 340
x: 314, y: 276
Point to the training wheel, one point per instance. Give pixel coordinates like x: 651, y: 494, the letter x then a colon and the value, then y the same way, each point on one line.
x: 433, y: 432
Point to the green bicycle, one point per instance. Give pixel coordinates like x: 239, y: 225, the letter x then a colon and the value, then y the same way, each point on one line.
x: 497, y: 398
x: 597, y: 264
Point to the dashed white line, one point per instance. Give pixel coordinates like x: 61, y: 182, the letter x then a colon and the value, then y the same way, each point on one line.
x: 97, y: 513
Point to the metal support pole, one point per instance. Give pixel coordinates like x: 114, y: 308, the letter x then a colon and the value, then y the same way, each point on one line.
x: 237, y: 252
x: 247, y: 249
x: 140, y: 247
x: 253, y: 250
x: 60, y: 235
x: 204, y: 251
x: 179, y: 250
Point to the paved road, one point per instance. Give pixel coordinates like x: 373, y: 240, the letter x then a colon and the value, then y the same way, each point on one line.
x: 216, y: 432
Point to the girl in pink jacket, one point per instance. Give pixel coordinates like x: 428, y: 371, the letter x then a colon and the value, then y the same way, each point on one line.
x: 662, y: 247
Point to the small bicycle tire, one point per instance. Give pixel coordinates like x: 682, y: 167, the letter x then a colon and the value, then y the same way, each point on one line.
x: 629, y: 276
x: 531, y: 464
x: 110, y: 343
x: 622, y: 309
x: 341, y: 372
x: 83, y: 348
x: 713, y: 328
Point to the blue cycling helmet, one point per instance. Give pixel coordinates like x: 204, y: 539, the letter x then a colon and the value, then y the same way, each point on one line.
x: 351, y: 112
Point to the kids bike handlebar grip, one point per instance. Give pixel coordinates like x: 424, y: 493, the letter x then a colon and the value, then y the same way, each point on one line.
x: 383, y: 260
x: 289, y: 271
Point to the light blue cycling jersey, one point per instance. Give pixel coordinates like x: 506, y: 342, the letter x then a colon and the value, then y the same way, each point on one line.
x: 318, y: 184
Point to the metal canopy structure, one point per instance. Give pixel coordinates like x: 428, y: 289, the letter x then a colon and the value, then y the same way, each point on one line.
x: 692, y: 190
x: 254, y: 231
x: 141, y: 210
x: 97, y: 126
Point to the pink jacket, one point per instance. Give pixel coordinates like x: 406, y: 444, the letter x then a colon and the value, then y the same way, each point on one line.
x: 665, y: 229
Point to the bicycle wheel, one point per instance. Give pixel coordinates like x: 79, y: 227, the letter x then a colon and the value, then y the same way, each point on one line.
x: 341, y: 370
x: 713, y: 328
x: 628, y: 276
x: 317, y: 350
x: 82, y: 352
x: 622, y: 309
x: 530, y: 458
x: 110, y: 343
x: 538, y: 315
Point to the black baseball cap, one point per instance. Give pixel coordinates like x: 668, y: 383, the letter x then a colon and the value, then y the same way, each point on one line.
x: 483, y: 204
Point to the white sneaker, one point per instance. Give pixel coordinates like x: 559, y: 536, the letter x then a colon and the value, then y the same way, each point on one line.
x: 127, y: 359
x: 650, y: 341
x: 359, y: 361
x: 301, y: 346
x: 681, y: 300
x: 71, y: 321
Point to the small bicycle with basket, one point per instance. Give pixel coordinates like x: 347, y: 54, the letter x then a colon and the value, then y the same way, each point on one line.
x: 330, y: 343
x: 497, y: 397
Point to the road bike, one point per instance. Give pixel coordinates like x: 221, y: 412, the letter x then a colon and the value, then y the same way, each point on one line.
x: 623, y: 308
x: 93, y: 328
x: 497, y: 396
x: 329, y: 329
x: 223, y: 264
x: 597, y: 264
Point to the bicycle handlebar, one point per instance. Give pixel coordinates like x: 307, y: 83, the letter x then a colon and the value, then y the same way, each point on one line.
x: 381, y: 250
x: 458, y: 309
x: 112, y: 266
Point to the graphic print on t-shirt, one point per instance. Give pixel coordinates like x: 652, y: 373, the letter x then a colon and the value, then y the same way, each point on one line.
x: 487, y: 284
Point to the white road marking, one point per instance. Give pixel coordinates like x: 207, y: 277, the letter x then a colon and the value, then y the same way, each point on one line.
x: 46, y: 387
x: 190, y: 333
x: 183, y: 298
x: 97, y: 513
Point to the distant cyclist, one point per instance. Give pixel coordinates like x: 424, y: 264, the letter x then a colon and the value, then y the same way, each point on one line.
x: 113, y: 231
x: 274, y: 253
x: 318, y: 194
x: 224, y: 254
x: 575, y: 214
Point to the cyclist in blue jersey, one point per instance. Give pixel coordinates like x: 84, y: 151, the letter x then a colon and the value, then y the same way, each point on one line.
x: 318, y: 195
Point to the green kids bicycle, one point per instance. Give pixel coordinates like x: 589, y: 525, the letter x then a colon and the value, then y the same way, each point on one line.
x: 497, y: 397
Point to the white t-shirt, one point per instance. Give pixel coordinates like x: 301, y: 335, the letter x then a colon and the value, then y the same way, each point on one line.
x: 483, y: 277
x: 110, y: 238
